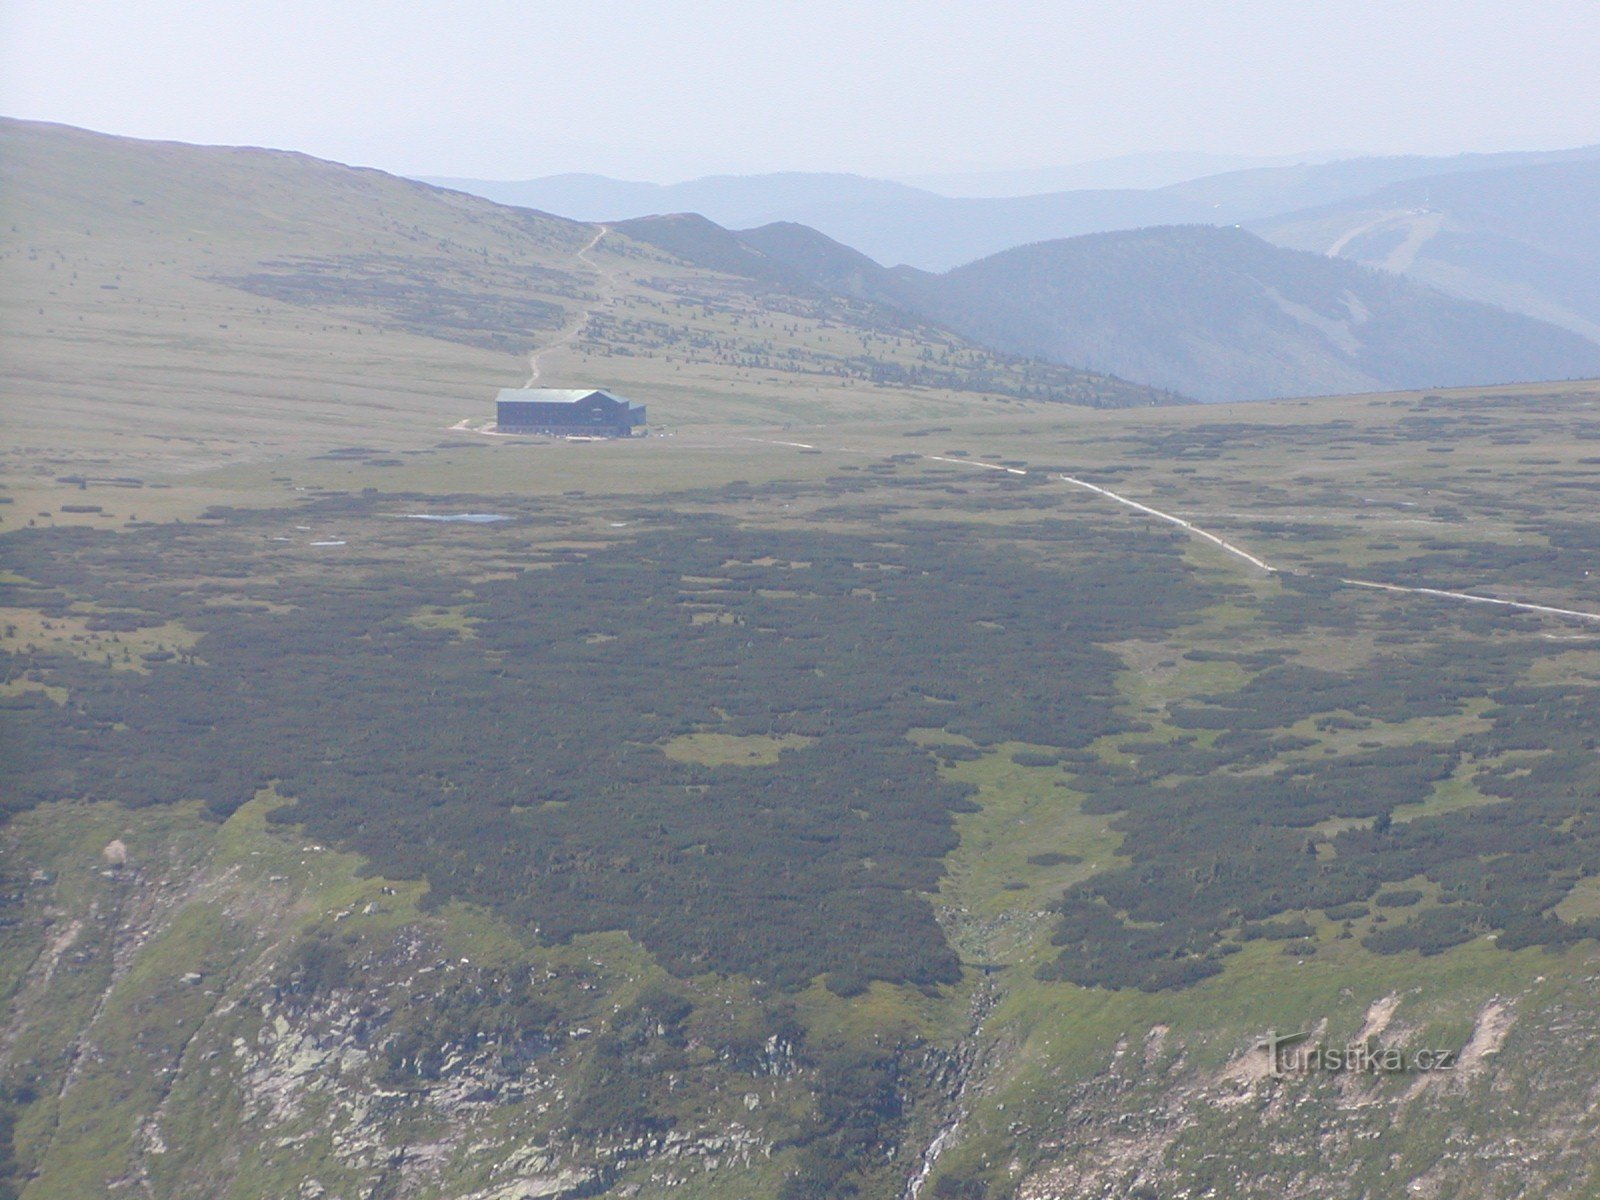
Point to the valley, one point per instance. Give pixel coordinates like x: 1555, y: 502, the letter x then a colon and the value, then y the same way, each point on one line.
x: 913, y: 772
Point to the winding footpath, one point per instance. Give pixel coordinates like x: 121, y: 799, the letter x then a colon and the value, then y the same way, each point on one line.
x: 608, y: 290
x: 1237, y: 551
x: 1437, y: 593
x: 608, y: 287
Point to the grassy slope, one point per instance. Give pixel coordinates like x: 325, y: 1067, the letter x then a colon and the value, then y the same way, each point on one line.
x: 129, y: 335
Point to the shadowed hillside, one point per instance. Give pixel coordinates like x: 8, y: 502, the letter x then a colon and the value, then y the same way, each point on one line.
x: 1214, y: 313
x: 1220, y: 314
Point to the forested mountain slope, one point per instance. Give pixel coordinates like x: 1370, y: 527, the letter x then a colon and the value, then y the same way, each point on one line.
x: 1218, y: 314
x: 1222, y: 315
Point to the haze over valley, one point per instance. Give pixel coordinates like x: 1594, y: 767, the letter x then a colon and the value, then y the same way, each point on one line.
x: 1510, y: 231
x: 896, y: 223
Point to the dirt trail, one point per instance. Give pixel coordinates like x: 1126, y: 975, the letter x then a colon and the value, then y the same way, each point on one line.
x: 608, y: 289
x: 1471, y: 599
x: 1466, y: 597
x: 1179, y: 521
x: 1239, y: 552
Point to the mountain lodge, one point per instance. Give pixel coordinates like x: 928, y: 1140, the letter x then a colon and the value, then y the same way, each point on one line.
x: 566, y: 411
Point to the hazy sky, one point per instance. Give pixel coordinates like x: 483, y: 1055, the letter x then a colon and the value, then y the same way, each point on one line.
x: 666, y: 89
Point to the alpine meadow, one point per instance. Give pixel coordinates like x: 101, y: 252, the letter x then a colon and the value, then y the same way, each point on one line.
x: 1082, y: 694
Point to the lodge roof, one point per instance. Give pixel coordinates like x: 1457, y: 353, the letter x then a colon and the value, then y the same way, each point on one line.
x: 562, y: 396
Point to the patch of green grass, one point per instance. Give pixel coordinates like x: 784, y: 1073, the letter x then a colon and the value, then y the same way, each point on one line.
x: 451, y: 619
x: 1022, y: 813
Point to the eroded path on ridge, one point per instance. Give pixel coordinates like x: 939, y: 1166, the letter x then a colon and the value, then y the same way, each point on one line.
x: 608, y: 290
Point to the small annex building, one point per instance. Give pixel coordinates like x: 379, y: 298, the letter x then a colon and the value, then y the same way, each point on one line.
x: 566, y: 411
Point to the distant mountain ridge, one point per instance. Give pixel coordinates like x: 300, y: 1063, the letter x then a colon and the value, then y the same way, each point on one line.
x: 729, y: 200
x: 271, y: 242
x: 1150, y: 170
x: 1215, y: 313
x: 896, y: 223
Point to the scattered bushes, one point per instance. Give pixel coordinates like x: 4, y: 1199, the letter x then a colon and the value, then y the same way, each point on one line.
x: 1032, y: 758
x: 1053, y: 858
x: 519, y: 769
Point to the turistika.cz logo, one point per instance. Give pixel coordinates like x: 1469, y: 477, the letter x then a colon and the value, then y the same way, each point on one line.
x: 1289, y: 1054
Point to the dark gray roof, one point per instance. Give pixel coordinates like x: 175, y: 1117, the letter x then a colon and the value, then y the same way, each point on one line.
x: 562, y: 396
